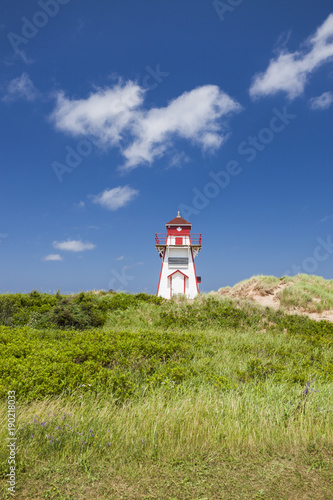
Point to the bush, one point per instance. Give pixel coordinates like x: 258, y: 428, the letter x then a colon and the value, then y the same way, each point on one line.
x: 15, y: 310
x: 8, y: 308
x: 78, y: 314
x: 123, y: 301
x: 44, y: 363
x: 44, y: 310
x: 207, y: 313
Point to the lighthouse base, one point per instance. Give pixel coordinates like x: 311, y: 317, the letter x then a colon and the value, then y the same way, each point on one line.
x: 178, y: 282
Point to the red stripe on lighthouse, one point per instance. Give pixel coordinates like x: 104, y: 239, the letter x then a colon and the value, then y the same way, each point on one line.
x: 195, y: 272
x: 159, y: 281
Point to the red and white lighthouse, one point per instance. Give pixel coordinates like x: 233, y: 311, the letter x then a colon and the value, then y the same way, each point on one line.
x: 178, y: 248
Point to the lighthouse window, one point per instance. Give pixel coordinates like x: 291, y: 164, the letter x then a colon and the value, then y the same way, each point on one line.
x: 178, y: 261
x: 179, y: 241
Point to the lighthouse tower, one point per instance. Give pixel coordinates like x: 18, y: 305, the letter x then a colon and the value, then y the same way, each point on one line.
x: 178, y: 248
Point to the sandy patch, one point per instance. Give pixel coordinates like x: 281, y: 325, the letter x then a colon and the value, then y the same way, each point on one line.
x: 268, y: 297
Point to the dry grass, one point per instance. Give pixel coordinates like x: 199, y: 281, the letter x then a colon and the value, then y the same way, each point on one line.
x: 302, y: 294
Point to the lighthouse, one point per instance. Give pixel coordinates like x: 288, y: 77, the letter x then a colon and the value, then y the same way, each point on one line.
x: 178, y: 248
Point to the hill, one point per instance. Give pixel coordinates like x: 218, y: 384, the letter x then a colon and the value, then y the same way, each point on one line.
x: 134, y: 397
x: 301, y: 294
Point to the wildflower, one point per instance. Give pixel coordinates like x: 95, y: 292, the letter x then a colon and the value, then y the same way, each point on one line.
x: 32, y: 436
x: 109, y: 444
x: 43, y: 423
x: 306, y: 390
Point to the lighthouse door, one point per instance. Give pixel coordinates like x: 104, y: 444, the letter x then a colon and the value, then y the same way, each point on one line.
x: 177, y: 284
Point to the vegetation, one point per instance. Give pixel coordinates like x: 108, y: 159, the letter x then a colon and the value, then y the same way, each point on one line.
x: 81, y: 311
x: 310, y: 293
x: 129, y: 396
x: 302, y: 292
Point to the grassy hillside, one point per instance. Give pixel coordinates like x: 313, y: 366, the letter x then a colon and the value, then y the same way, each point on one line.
x: 303, y: 293
x: 130, y: 396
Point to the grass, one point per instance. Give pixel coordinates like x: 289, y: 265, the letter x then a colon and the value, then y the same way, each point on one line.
x: 171, y: 400
x: 302, y: 292
x: 265, y: 283
x: 309, y: 293
x: 178, y: 445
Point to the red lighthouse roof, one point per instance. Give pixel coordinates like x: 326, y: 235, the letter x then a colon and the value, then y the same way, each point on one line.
x: 178, y: 221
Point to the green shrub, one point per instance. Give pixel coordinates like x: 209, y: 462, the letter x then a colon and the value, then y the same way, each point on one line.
x: 16, y: 309
x: 259, y: 369
x: 123, y: 301
x: 8, y: 308
x: 210, y: 312
x: 72, y: 314
x: 44, y: 310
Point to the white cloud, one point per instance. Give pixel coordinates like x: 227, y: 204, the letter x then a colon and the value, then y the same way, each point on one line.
x: 194, y: 116
x: 73, y: 245
x: 132, y: 266
x: 327, y: 217
x: 52, y: 256
x: 116, y: 117
x: 21, y: 88
x: 120, y: 258
x: 178, y: 159
x: 103, y: 115
x: 115, y: 198
x: 321, y: 102
x: 80, y: 204
x: 290, y: 71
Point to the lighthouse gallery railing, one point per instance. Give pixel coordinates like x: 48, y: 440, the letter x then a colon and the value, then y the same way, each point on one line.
x: 161, y: 239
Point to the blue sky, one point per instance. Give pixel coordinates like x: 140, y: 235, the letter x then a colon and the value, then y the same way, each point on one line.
x: 117, y: 114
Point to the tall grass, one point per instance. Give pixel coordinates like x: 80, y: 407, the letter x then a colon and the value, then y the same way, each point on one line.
x: 303, y: 292
x: 176, y: 424
x: 308, y: 293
